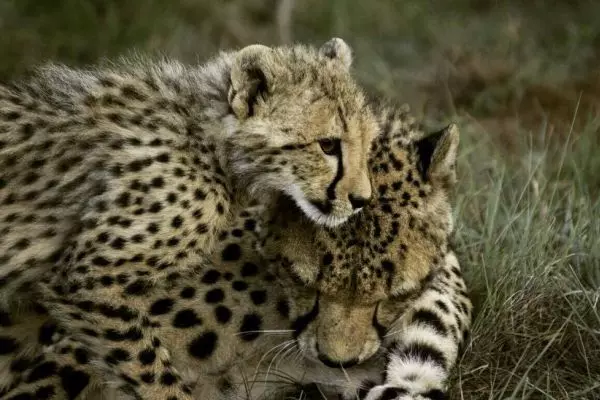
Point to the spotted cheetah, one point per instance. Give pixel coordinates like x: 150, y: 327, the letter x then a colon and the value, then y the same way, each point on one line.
x: 128, y: 173
x: 372, y: 309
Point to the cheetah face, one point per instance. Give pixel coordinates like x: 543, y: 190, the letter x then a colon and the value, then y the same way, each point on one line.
x: 302, y: 128
x: 347, y: 285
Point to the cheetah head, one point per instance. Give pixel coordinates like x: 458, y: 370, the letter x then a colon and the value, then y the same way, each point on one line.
x: 300, y: 126
x: 347, y: 285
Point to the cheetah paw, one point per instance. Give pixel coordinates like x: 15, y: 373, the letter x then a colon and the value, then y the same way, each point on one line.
x: 391, y: 392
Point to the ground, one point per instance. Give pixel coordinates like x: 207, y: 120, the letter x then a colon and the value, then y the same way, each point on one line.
x: 523, y: 83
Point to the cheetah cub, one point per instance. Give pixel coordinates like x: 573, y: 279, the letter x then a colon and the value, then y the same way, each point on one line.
x: 381, y: 299
x: 374, y: 309
x: 129, y: 172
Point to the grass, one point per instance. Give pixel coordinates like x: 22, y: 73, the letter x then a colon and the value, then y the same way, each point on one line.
x: 522, y: 81
x: 528, y: 237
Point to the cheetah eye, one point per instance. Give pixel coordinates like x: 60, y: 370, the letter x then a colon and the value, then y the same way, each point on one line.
x: 330, y: 146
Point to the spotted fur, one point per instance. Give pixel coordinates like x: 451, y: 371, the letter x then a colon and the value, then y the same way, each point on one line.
x: 386, y: 284
x: 283, y: 300
x: 117, y: 180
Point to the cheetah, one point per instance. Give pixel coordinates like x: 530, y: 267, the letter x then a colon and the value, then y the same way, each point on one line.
x: 374, y: 309
x: 116, y: 179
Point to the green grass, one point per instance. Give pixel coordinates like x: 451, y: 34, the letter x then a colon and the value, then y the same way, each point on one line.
x: 524, y: 85
x: 529, y: 239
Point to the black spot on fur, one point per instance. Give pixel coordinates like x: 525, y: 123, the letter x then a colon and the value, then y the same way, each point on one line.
x: 387, y: 266
x: 103, y: 237
x: 123, y: 200
x: 237, y: 233
x: 177, y: 222
x: 392, y: 393
x: 73, y: 381
x: 214, y: 296
x: 249, y: 269
x: 327, y: 259
x: 138, y: 287
x: 46, y: 332
x: 42, y: 371
x: 147, y: 377
x: 115, y: 356
x: 431, y: 319
x: 162, y: 306
x: 129, y: 380
x: 222, y: 314
x: 45, y: 392
x: 199, y: 195
x: 283, y: 308
x: 147, y: 356
x: 22, y: 244
x: 232, y: 252
x: 187, y: 292
x: 250, y: 224
x: 132, y: 92
x: 239, y: 286
x: 251, y: 324
x: 258, y: 297
x: 186, y: 319
x: 204, y: 345
x: 153, y: 227
x: 118, y: 243
x: 442, y: 306
x: 201, y: 228
x: 435, y: 394
x: 211, y: 276
x: 155, y: 207
x: 168, y: 379
x: 8, y: 345
x: 20, y: 364
x: 423, y: 352
x: 100, y: 261
x: 82, y: 356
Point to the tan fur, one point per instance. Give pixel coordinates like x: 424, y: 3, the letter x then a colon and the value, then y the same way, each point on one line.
x: 390, y: 249
x: 118, y: 179
x: 76, y: 128
x: 268, y: 342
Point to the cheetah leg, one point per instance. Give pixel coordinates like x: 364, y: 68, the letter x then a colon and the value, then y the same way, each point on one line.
x: 45, y: 363
x: 113, y: 323
x: 57, y: 374
x: 426, y: 340
x: 141, y: 368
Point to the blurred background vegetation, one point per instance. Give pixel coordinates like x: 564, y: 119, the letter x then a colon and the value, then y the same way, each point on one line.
x: 522, y: 78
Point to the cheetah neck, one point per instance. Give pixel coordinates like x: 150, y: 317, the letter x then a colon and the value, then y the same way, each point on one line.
x: 211, y: 123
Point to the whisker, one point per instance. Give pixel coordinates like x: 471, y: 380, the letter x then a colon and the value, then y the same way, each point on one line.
x: 274, y: 348
x: 345, y: 374
x: 288, y: 344
x: 272, y: 331
x: 284, y: 355
x: 393, y: 333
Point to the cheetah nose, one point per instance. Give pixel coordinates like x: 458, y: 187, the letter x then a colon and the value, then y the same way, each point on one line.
x: 337, y: 364
x: 358, y: 201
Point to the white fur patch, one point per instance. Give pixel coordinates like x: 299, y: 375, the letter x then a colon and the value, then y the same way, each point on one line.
x: 377, y: 392
x: 310, y: 210
x: 426, y: 335
x: 424, y: 375
x: 231, y: 124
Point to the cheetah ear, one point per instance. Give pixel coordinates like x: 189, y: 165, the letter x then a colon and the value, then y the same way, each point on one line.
x: 251, y: 74
x: 337, y: 49
x: 437, y: 156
